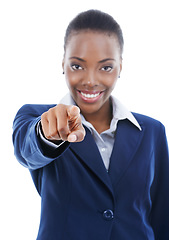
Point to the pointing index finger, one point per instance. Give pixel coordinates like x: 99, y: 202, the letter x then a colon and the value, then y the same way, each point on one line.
x: 73, y: 111
x: 77, y: 131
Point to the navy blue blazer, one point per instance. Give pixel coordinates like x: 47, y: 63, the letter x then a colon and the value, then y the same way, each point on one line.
x: 80, y: 199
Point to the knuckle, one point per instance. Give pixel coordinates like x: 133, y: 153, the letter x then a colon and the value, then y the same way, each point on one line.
x: 44, y: 116
x: 60, y: 107
x: 63, y: 130
x: 51, y: 111
x: 63, y: 133
x: 47, y: 135
x: 53, y: 133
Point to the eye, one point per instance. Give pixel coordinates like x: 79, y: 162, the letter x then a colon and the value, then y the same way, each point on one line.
x: 76, y: 67
x: 107, y: 68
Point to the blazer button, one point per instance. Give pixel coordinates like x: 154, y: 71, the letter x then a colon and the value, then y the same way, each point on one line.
x: 108, y: 214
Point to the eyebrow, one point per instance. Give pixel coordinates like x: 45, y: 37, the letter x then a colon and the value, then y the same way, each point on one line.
x: 107, y: 59
x: 77, y: 58
x: 101, y: 61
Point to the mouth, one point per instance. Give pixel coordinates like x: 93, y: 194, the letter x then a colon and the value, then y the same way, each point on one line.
x: 90, y: 97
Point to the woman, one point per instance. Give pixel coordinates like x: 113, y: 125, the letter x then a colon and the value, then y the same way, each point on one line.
x: 102, y: 172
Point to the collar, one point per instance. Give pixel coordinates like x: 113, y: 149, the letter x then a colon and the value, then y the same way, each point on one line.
x: 120, y: 112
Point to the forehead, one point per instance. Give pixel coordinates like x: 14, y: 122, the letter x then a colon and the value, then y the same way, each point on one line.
x: 91, y: 43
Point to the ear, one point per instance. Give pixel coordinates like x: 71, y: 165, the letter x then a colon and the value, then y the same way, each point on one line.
x: 121, y: 64
x: 63, y: 64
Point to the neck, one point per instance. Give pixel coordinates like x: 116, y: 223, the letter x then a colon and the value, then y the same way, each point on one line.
x: 102, y: 118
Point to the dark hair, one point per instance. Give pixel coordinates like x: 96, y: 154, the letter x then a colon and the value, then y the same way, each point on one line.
x: 97, y: 21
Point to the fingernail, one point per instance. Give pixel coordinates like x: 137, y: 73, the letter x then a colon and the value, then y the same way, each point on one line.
x: 72, y: 138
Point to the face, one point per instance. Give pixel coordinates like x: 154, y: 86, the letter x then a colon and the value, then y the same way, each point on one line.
x: 92, y: 64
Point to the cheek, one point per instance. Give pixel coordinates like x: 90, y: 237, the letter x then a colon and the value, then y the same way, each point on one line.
x: 111, y: 81
x: 71, y: 79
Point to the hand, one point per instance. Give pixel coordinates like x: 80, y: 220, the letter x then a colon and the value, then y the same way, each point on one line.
x: 63, y: 122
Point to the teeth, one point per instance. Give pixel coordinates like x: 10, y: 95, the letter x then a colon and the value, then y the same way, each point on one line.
x: 90, y: 95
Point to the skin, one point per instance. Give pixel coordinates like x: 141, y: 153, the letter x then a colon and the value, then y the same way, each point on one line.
x: 92, y: 64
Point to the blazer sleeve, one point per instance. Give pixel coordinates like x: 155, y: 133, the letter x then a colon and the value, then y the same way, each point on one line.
x: 30, y: 151
x: 160, y: 189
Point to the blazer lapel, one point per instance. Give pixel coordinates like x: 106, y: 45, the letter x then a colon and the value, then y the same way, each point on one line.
x: 88, y: 152
x: 127, y: 141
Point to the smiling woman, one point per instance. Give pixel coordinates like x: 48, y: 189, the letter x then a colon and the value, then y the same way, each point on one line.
x: 92, y: 64
x: 102, y: 171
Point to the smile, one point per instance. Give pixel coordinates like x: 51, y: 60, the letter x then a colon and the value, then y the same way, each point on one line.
x: 90, y: 97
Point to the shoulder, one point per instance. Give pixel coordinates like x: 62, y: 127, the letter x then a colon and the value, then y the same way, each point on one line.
x: 34, y: 109
x: 30, y: 112
x: 145, y: 119
x: 148, y: 122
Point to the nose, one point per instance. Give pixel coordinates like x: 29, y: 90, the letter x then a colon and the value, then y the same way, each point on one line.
x: 90, y: 79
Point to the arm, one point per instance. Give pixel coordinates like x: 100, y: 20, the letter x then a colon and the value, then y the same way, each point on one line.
x: 30, y: 151
x: 160, y: 189
x: 58, y: 123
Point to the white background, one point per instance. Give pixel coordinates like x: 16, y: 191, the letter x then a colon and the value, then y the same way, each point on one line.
x: 31, y: 50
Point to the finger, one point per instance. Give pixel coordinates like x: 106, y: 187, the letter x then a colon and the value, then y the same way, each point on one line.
x: 62, y: 122
x: 77, y: 136
x: 77, y: 132
x: 53, y: 132
x: 45, y: 125
x: 73, y: 112
x: 50, y: 125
